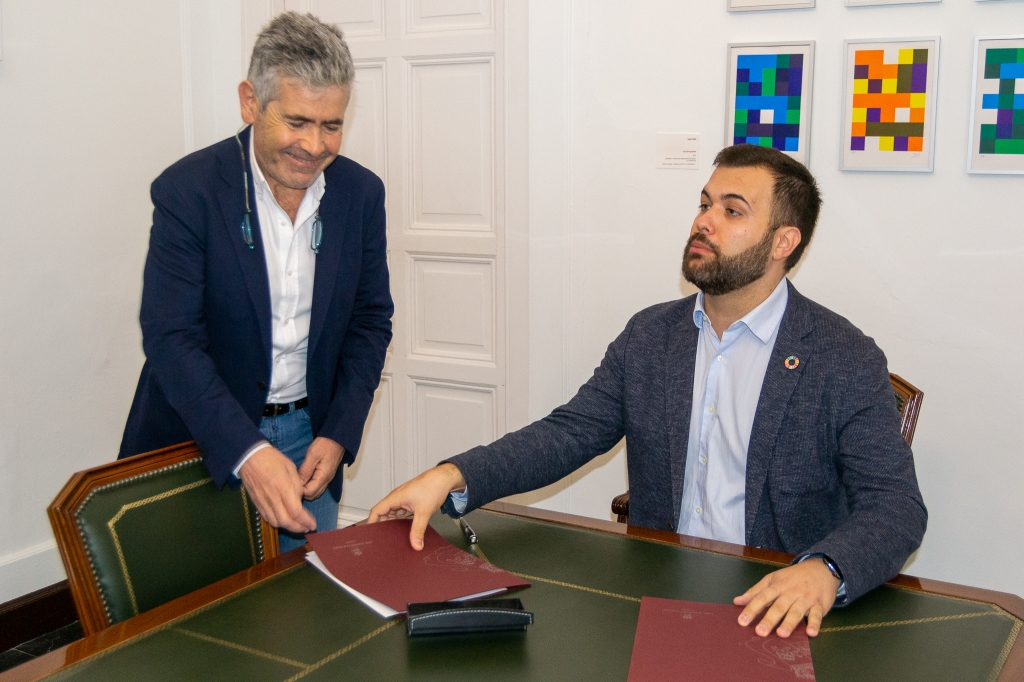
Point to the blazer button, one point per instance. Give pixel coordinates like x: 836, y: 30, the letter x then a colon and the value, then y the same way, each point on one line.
x: 262, y: 385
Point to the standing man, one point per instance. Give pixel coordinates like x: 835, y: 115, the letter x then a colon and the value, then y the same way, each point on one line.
x: 266, y: 309
x: 751, y: 414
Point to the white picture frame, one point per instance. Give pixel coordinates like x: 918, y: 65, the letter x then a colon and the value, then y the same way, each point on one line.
x: 985, y: 133
x: 889, y: 109
x: 871, y: 3
x: 762, y: 5
x: 767, y: 102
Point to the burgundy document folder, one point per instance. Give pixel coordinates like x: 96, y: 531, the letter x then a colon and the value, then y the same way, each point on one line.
x: 685, y: 640
x: 377, y: 561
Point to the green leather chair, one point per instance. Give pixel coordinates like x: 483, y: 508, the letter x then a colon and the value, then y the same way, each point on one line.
x: 139, y: 532
x: 908, y: 404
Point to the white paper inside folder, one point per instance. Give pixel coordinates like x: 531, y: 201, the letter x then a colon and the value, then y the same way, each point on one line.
x: 382, y: 610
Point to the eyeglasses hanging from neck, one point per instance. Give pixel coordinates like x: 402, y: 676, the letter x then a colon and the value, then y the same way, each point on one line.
x: 316, y: 235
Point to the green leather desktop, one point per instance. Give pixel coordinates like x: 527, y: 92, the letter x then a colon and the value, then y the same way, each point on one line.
x: 586, y: 586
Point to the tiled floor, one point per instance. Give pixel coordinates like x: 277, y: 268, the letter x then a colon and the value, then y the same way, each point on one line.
x: 40, y: 645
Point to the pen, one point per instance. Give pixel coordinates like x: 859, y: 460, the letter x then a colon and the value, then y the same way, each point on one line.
x: 467, y: 531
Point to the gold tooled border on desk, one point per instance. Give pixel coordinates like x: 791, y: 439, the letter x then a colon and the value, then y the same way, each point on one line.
x: 582, y: 588
x: 241, y: 647
x: 1005, y: 653
x: 169, y: 625
x: 341, y: 652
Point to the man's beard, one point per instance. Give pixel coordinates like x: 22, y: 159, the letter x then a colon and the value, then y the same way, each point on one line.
x: 720, y: 274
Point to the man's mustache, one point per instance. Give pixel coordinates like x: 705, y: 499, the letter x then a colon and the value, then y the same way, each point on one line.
x: 701, y: 239
x: 304, y: 156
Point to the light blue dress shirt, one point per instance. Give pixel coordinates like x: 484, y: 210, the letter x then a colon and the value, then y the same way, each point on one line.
x: 727, y: 378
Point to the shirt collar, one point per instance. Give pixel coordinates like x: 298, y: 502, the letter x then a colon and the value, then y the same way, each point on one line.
x: 262, y: 186
x: 762, y: 321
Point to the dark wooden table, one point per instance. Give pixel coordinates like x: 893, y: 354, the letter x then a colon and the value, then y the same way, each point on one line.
x: 281, y: 620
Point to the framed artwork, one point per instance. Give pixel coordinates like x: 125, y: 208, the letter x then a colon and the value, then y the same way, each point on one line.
x: 752, y: 5
x: 865, y: 3
x: 769, y: 96
x: 889, y: 105
x: 997, y: 110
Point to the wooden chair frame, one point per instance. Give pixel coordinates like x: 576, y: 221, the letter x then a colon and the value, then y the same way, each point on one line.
x: 84, y: 590
x: 910, y: 396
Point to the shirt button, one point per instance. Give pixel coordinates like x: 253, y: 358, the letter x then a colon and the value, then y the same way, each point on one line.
x: 719, y: 358
x: 283, y: 223
x: 703, y: 460
x: 712, y: 409
x: 291, y: 273
x: 698, y: 510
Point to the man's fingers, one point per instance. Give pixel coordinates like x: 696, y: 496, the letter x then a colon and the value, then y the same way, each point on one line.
x: 745, y: 598
x: 757, y: 604
x: 796, y: 614
x: 771, y: 619
x: 419, y: 528
x: 814, y: 621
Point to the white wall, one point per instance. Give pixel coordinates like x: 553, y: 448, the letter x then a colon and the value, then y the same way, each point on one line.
x: 93, y: 102
x: 930, y: 265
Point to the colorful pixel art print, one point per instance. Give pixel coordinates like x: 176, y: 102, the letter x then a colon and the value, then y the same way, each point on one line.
x: 769, y: 96
x: 997, y: 114
x: 889, y: 106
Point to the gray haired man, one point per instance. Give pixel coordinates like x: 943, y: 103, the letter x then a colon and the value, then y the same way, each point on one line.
x: 266, y: 307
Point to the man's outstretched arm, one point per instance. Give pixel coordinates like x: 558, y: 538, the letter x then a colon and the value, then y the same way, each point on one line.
x: 419, y: 498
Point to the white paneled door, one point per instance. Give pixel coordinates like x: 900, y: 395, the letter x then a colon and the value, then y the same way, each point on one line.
x: 428, y: 114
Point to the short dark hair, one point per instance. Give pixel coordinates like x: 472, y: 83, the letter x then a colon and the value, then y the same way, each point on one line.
x: 796, y: 200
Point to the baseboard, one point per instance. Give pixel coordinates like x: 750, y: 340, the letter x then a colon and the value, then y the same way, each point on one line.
x: 35, y: 614
x: 350, y: 515
x: 31, y: 569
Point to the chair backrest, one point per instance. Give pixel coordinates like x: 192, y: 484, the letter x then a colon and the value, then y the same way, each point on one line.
x: 908, y: 403
x: 141, y: 531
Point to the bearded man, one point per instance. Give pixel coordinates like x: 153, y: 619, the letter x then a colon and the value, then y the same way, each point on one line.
x: 751, y: 414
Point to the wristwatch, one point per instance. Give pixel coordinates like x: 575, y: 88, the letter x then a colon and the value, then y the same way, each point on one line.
x: 832, y: 567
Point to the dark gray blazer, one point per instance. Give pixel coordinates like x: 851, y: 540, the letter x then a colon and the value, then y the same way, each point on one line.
x: 827, y: 468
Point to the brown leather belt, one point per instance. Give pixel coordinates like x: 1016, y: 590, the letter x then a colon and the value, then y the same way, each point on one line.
x: 275, y: 409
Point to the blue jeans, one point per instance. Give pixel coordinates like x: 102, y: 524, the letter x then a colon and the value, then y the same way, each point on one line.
x: 292, y: 434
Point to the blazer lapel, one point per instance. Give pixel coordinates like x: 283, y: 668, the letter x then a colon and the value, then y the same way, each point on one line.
x: 334, y: 209
x: 680, y: 362
x: 776, y: 391
x: 252, y: 261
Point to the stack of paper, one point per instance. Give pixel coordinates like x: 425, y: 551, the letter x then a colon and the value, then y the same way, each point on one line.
x: 686, y: 640
x: 376, y: 565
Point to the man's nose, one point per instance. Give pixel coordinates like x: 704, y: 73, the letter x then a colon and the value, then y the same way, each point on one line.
x: 313, y: 141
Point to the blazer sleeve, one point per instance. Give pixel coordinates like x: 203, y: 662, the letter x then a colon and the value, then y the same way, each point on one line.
x: 174, y: 336
x: 361, y: 359
x: 887, y: 516
x: 555, y: 446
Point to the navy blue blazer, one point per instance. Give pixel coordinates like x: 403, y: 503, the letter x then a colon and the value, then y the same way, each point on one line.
x: 827, y: 468
x: 206, y: 318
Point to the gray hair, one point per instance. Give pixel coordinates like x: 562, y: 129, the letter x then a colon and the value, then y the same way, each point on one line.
x: 299, y: 46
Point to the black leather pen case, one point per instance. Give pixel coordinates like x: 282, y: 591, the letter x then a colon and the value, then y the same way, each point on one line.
x: 452, y: 617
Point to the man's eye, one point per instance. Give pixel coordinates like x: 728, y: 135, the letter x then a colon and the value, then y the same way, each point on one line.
x: 295, y: 125
x: 332, y: 129
x: 703, y: 207
x: 732, y: 211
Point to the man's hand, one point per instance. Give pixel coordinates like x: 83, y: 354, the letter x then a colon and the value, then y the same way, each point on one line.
x: 804, y: 589
x: 419, y: 498
x: 319, y: 467
x: 274, y: 485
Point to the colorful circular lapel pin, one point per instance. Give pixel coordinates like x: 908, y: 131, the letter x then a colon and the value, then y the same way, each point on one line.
x: 792, y: 362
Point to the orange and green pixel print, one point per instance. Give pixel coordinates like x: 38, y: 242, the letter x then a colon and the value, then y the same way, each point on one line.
x: 889, y: 101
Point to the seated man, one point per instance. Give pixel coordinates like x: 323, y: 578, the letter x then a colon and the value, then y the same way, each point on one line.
x: 751, y: 414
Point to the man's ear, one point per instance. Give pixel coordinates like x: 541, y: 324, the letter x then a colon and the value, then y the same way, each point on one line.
x: 249, y: 102
x: 787, y: 238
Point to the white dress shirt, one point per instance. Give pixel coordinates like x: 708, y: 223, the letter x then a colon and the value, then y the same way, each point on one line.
x: 727, y: 379
x: 291, y: 265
